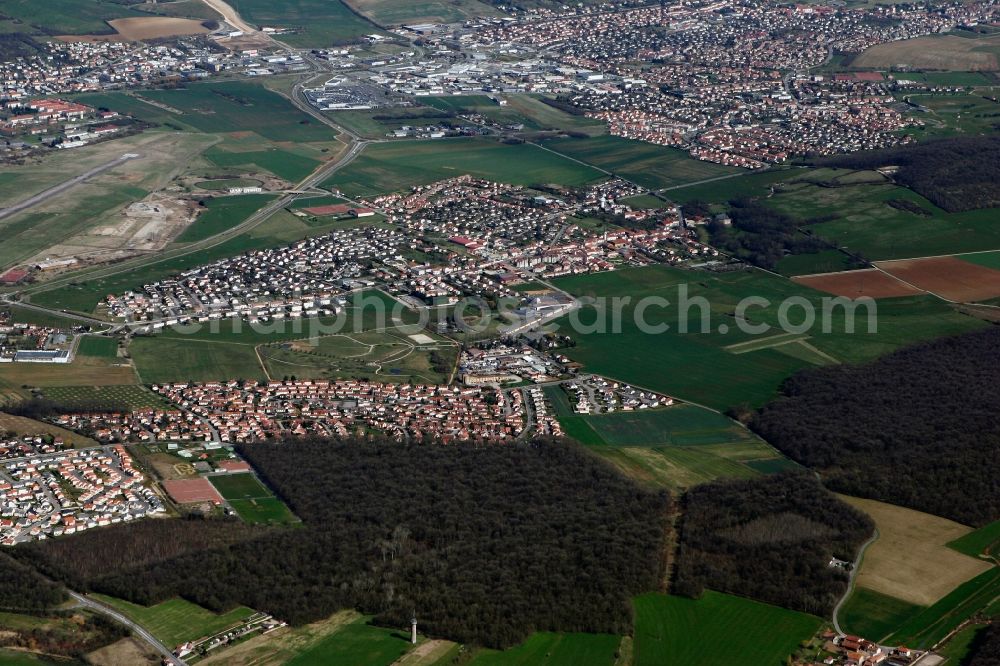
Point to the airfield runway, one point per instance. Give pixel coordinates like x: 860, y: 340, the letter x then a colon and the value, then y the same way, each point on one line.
x: 62, y: 187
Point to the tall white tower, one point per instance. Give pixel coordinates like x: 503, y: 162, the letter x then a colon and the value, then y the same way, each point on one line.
x: 413, y: 631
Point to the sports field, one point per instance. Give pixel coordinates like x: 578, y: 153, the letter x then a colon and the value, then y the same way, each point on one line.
x: 390, y: 167
x: 715, y: 368
x: 910, y: 560
x: 873, y: 615
x: 99, y: 347
x: 251, y: 500
x: 550, y: 649
x: 716, y: 629
x: 866, y: 223
x: 177, y: 621
x: 647, y: 164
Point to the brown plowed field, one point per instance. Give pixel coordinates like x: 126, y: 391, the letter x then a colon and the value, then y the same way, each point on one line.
x: 855, y: 284
x: 947, y: 277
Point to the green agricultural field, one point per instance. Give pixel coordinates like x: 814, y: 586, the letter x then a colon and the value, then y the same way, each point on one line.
x: 717, y: 369
x: 549, y: 649
x: 750, y: 184
x: 358, y: 644
x: 874, y: 615
x: 285, y: 164
x: 716, y: 629
x: 959, y: 647
x: 392, y: 12
x: 390, y: 167
x: 984, y: 541
x: 317, y: 23
x: 647, y: 164
x: 68, y: 17
x: 681, y: 425
x: 222, y: 214
x: 527, y: 110
x: 163, y: 359
x: 98, y: 347
x: 377, y: 123
x: 105, y: 398
x: 865, y: 222
x: 30, y: 316
x: 937, y: 621
x: 220, y: 184
x: 177, y: 621
x: 230, y: 106
x: 829, y: 261
x: 987, y: 259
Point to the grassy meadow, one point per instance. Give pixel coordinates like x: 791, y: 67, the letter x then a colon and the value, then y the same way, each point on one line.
x: 647, y: 164
x: 390, y: 167
x: 177, y: 621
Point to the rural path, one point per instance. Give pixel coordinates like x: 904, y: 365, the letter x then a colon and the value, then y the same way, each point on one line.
x: 138, y: 629
x: 62, y: 187
x: 850, y: 584
x: 231, y: 16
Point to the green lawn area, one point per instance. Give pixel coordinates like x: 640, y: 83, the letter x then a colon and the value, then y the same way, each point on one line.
x: 164, y: 359
x: 705, y: 367
x: 222, y: 214
x: 828, y: 261
x: 716, y: 629
x: 680, y: 425
x: 263, y: 510
x: 99, y: 347
x: 867, y: 224
x: 243, y: 485
x: 938, y: 620
x: 389, y: 167
x: 551, y: 649
x: 317, y: 23
x: 357, y: 644
x: 392, y: 12
x: 647, y: 164
x: 177, y: 621
x: 874, y: 615
x: 527, y: 110
x: 984, y: 540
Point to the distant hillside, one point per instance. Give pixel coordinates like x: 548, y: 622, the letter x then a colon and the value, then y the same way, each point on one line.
x: 956, y: 174
x: 917, y: 428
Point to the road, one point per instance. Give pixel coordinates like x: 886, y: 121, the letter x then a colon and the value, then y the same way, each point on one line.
x: 62, y: 187
x: 850, y: 584
x: 137, y: 629
x: 231, y: 16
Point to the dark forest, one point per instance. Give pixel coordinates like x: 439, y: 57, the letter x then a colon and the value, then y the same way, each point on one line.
x: 917, y: 428
x: 769, y: 539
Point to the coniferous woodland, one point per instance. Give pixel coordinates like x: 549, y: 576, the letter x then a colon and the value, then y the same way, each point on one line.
x: 771, y: 539
x: 985, y: 648
x: 956, y: 174
x: 918, y: 427
x: 483, y: 543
